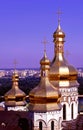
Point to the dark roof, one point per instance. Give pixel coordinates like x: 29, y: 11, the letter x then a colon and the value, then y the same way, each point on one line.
x: 76, y: 124
x: 15, y: 120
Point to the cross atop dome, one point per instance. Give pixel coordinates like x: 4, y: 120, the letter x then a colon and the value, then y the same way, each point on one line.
x: 59, y: 13
x: 45, y: 42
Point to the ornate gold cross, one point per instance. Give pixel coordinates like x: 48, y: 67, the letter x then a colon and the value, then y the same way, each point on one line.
x: 45, y: 42
x: 59, y: 13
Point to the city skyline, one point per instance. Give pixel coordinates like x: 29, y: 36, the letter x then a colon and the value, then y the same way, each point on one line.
x: 24, y: 24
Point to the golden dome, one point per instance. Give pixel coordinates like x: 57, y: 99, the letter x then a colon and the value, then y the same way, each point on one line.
x: 45, y: 97
x: 45, y: 63
x: 58, y: 33
x: 62, y: 67
x: 15, y: 77
x: 60, y: 71
x: 15, y: 95
x: 44, y: 60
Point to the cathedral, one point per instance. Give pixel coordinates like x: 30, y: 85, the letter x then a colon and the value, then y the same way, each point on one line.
x: 54, y: 101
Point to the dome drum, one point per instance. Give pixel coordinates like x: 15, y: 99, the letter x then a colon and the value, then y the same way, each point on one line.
x: 43, y: 100
x: 58, y: 34
x: 44, y: 107
x: 14, y: 103
x: 62, y: 77
x: 45, y: 67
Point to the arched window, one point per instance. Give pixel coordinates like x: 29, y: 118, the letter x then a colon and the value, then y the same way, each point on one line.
x: 72, y: 111
x: 64, y: 112
x: 40, y: 125
x: 52, y: 125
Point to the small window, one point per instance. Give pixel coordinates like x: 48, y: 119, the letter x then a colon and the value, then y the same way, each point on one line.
x: 40, y: 125
x: 52, y: 125
x: 64, y: 112
x: 72, y: 111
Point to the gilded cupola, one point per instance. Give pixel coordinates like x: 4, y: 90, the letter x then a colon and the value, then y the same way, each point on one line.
x: 15, y: 96
x: 58, y: 35
x: 44, y: 97
x: 60, y: 69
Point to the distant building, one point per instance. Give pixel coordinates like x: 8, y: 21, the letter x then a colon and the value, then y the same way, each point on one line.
x: 80, y: 72
x: 2, y: 73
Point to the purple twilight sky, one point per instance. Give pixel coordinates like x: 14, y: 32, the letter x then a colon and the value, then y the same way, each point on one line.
x: 25, y: 23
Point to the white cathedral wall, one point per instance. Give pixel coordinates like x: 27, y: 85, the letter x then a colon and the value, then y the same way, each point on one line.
x: 68, y: 111
x: 69, y: 97
x: 46, y: 119
x: 75, y: 109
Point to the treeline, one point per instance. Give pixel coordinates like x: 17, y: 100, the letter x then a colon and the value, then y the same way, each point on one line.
x: 27, y: 84
x: 80, y: 88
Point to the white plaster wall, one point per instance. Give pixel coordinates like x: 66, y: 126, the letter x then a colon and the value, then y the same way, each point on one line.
x: 17, y: 108
x: 75, y: 109
x: 72, y: 95
x: 46, y: 119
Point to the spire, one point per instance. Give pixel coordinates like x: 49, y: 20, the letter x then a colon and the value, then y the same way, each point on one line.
x: 58, y: 40
x: 59, y: 20
x: 45, y: 42
x: 58, y: 35
x: 15, y: 63
x: 45, y: 63
x: 15, y: 78
x: 59, y: 13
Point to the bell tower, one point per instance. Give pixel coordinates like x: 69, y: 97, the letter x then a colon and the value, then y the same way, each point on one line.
x: 64, y: 75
